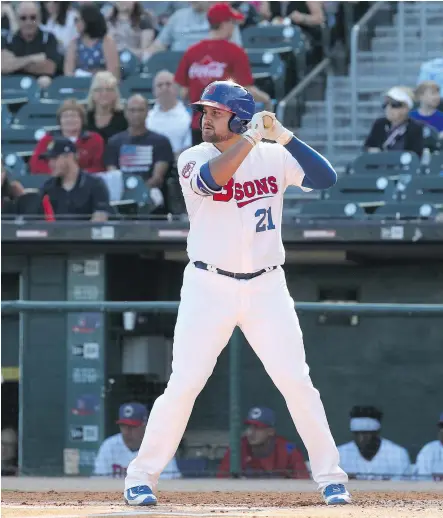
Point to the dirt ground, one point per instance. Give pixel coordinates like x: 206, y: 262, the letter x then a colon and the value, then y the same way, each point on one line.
x: 239, y: 499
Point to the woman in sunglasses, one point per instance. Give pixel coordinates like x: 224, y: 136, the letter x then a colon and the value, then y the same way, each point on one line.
x: 396, y: 131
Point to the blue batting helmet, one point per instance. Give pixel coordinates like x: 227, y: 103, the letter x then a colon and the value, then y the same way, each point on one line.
x: 231, y: 97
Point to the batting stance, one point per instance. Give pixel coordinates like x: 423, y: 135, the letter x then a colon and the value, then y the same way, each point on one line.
x: 233, y: 186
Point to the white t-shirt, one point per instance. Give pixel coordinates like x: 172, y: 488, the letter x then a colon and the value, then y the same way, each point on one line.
x: 238, y: 229
x: 429, y: 464
x: 64, y: 33
x: 114, y: 456
x: 175, y: 124
x: 391, y: 462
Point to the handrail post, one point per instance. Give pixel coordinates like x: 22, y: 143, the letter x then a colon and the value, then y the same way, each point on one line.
x: 354, y: 97
x: 401, y: 39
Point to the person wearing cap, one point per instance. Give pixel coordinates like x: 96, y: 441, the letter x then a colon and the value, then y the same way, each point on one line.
x: 263, y: 453
x: 370, y: 456
x: 72, y: 119
x: 184, y: 28
x: 216, y: 59
x: 429, y: 463
x: 396, y: 131
x: 71, y: 191
x: 120, y: 449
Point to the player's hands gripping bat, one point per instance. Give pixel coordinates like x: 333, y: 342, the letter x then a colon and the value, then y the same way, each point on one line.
x: 261, y: 123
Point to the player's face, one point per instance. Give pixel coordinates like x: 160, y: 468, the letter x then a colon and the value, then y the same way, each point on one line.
x: 256, y: 435
x: 132, y: 436
x: 364, y: 439
x: 215, y: 125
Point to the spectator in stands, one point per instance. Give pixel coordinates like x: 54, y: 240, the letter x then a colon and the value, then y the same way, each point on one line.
x: 216, y: 59
x: 138, y: 150
x: 71, y: 191
x: 184, y: 28
x: 9, y: 19
x: 169, y: 116
x: 263, y: 453
x: 396, y: 131
x: 131, y: 28
x: 432, y: 70
x: 90, y: 146
x: 11, y: 192
x: 370, y: 456
x: 60, y: 19
x: 30, y: 50
x: 9, y: 452
x: 105, y: 113
x: 249, y: 11
x: 94, y: 49
x: 429, y: 464
x: 428, y: 96
x: 120, y: 449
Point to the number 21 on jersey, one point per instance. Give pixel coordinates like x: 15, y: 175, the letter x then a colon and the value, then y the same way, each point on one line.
x: 265, y: 220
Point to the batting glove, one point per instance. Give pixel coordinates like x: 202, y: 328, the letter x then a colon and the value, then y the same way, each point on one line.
x: 279, y: 133
x: 256, y: 130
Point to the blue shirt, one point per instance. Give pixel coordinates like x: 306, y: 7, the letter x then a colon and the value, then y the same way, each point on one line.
x: 435, y: 120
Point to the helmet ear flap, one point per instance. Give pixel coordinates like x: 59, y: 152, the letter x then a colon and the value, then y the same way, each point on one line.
x: 236, y: 125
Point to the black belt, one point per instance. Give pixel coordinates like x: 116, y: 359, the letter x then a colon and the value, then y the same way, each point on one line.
x: 240, y: 276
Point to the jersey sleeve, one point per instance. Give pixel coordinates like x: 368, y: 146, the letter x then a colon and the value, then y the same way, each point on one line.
x: 402, y: 466
x: 294, y: 173
x: 423, y: 464
x: 189, y: 166
x: 103, y: 461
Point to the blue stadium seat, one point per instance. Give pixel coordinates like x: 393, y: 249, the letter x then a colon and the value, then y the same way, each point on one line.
x: 129, y: 63
x: 135, y: 192
x: 19, y: 89
x: 21, y: 141
x: 389, y: 162
x: 431, y: 138
x: 34, y: 181
x: 435, y: 166
x: 422, y: 189
x: 37, y: 115
x: 15, y: 164
x: 270, y: 67
x: 405, y: 210
x: 137, y: 85
x: 278, y: 38
x: 364, y: 189
x: 63, y: 88
x: 325, y: 210
x: 6, y: 117
x: 166, y: 60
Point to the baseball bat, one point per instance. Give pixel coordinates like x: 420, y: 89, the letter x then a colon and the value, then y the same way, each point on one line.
x: 268, y: 121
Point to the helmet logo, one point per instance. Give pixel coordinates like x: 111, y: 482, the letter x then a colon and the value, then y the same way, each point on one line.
x: 210, y: 89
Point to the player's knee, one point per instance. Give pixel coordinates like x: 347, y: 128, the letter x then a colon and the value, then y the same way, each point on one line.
x: 186, y: 384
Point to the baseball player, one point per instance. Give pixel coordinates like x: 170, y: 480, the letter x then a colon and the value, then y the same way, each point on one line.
x: 370, y: 456
x: 233, y: 185
x: 429, y: 464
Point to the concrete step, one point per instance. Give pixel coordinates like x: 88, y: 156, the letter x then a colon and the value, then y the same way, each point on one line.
x: 317, y: 119
x: 342, y: 107
x: 413, y: 57
x: 309, y: 134
x: 431, y: 31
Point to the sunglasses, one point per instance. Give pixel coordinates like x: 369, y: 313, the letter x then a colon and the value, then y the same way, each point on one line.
x: 32, y: 17
x: 393, y: 104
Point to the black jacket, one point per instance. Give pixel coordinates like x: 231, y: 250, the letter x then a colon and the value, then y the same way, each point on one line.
x: 412, y: 140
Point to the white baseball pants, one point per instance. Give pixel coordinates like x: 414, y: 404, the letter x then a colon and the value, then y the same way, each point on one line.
x: 211, y: 306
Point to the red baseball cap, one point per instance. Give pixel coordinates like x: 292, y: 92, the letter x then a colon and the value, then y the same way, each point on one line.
x: 222, y: 12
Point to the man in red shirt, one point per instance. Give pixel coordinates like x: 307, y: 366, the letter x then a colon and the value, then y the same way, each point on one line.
x: 216, y: 59
x: 263, y: 453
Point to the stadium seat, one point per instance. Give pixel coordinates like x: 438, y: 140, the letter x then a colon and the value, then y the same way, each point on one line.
x: 435, y: 166
x: 367, y: 189
x: 21, y: 141
x: 405, y: 210
x: 129, y: 63
x: 278, y: 38
x: 166, y: 60
x: 135, y: 192
x: 389, y: 162
x: 34, y: 181
x: 268, y: 71
x: 37, y: 115
x: 325, y: 210
x: 63, y: 88
x: 19, y: 89
x: 431, y: 138
x: 15, y: 165
x: 137, y: 85
x: 6, y: 117
x: 422, y: 189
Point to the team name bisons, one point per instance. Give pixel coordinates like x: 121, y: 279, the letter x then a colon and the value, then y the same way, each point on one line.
x: 247, y: 192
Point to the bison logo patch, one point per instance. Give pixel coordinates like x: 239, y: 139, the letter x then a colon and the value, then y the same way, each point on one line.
x: 187, y: 169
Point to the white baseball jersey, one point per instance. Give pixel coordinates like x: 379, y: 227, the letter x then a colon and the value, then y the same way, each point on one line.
x: 429, y: 464
x: 114, y: 456
x: 238, y: 229
x: 391, y: 462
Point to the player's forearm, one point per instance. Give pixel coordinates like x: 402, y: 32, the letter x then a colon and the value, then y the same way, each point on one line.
x: 319, y: 173
x: 223, y: 167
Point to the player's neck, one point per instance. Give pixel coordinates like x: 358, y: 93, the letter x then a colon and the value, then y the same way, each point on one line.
x: 215, y: 35
x: 225, y: 145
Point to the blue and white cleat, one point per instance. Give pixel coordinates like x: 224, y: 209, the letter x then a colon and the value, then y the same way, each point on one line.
x: 336, y: 494
x: 140, y: 495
